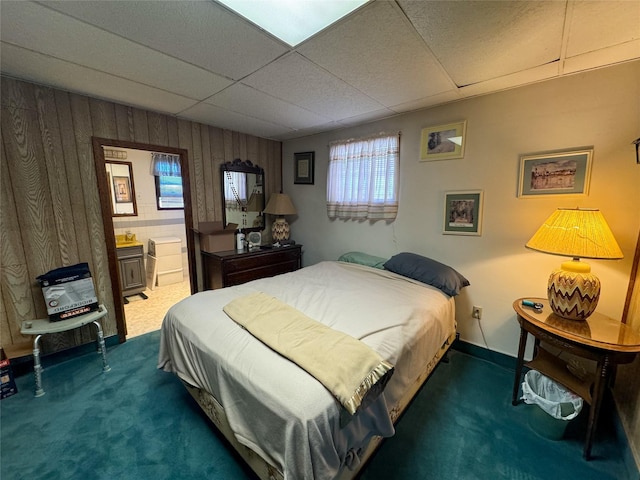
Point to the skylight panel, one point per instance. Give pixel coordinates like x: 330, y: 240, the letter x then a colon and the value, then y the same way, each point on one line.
x: 293, y: 21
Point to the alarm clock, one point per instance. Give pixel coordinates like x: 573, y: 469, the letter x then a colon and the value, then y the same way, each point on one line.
x: 254, y: 239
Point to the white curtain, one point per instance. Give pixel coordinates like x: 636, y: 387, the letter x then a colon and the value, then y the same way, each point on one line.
x: 165, y: 165
x: 235, y: 189
x: 363, y: 178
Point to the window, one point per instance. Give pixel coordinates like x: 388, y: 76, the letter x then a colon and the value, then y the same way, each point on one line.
x: 363, y: 178
x: 168, y: 173
x: 169, y: 192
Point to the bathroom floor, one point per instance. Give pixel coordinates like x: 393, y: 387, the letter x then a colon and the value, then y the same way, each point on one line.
x: 144, y: 316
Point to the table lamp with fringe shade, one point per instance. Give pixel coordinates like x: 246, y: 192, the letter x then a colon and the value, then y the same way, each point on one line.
x: 572, y: 289
x: 280, y: 205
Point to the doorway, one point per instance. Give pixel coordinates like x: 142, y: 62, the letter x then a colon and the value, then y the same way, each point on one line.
x: 134, y: 313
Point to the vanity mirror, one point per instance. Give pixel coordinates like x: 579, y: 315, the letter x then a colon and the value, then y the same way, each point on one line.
x: 123, y: 196
x: 243, y: 194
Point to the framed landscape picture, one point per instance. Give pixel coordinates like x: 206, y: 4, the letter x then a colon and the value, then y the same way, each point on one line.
x: 443, y: 142
x: 463, y: 213
x: 555, y: 173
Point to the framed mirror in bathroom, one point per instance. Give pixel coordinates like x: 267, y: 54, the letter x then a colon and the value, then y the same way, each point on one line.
x: 122, y: 188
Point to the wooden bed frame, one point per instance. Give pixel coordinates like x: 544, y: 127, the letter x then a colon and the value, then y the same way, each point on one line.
x: 266, y: 471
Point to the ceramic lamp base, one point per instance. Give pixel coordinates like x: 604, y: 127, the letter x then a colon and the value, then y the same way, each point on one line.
x: 280, y: 230
x: 573, y: 291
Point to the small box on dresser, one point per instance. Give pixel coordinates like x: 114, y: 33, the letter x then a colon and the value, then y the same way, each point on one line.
x: 215, y: 237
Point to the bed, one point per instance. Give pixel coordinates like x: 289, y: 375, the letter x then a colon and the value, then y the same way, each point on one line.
x: 282, y: 421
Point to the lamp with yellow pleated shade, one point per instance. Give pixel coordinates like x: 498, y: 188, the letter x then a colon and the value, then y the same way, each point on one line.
x: 572, y: 289
x: 280, y: 205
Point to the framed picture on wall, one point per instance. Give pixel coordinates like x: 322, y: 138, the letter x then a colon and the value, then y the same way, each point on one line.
x: 443, y: 142
x: 555, y: 173
x: 463, y: 213
x: 303, y: 165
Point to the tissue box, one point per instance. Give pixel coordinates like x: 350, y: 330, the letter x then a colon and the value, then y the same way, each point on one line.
x: 214, y: 237
x: 68, y: 292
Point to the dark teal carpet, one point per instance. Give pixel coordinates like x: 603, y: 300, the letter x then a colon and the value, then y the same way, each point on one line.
x: 136, y: 422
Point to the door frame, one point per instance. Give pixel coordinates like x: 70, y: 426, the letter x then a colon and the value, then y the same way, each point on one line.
x: 107, y: 219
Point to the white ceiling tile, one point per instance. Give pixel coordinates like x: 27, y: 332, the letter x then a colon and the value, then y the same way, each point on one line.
x: 56, y: 34
x: 45, y: 70
x: 596, y: 25
x: 249, y: 101
x: 368, y: 117
x: 295, y: 79
x: 305, y: 132
x: 439, y: 99
x: 537, y: 74
x: 200, y: 32
x: 605, y: 56
x: 480, y: 40
x: 387, y: 57
x: 378, y: 54
x: 220, y: 117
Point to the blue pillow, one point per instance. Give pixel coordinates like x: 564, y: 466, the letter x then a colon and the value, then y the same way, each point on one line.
x: 427, y: 271
x: 363, y: 259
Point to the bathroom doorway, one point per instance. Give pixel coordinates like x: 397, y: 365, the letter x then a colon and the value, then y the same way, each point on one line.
x: 136, y: 217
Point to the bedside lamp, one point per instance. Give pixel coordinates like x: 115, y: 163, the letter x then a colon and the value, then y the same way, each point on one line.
x: 573, y: 290
x: 280, y: 205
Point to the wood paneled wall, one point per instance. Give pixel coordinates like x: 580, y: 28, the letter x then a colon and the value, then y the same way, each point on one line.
x: 50, y: 207
x: 627, y: 386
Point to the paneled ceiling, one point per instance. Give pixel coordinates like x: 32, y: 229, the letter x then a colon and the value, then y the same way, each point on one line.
x: 199, y: 61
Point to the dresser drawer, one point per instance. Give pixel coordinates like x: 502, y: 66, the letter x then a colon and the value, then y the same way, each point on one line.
x: 225, y: 269
x: 239, y: 277
x: 241, y: 264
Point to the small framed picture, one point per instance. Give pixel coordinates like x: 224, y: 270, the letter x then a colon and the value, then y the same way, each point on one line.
x: 555, y: 173
x: 443, y: 142
x: 463, y: 213
x: 122, y: 189
x: 303, y: 167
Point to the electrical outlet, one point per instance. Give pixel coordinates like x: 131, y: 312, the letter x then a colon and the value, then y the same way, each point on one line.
x: 476, y: 312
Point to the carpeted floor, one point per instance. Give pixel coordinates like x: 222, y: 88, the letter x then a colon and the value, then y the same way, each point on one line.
x: 136, y: 422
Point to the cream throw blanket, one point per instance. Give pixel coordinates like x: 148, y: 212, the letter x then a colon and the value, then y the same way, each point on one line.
x: 354, y: 373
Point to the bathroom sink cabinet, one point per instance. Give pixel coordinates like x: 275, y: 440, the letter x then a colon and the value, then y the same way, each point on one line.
x: 133, y: 278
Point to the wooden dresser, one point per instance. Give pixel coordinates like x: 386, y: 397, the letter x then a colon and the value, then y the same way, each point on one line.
x: 225, y: 269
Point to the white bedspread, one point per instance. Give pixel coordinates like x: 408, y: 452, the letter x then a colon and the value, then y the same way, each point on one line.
x: 276, y: 408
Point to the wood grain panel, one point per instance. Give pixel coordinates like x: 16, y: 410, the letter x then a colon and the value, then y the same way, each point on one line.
x: 51, y: 211
x: 172, y: 132
x: 80, y: 110
x: 124, y: 123
x: 72, y: 170
x: 79, y: 214
x: 238, y: 149
x: 103, y: 118
x: 24, y: 154
x: 6, y: 337
x: 252, y: 152
x: 631, y: 312
x: 207, y: 168
x: 185, y: 141
x: 58, y: 179
x: 198, y: 161
x: 14, y: 277
x: 217, y: 158
x: 157, y: 126
x: 140, y: 125
x: 227, y: 143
